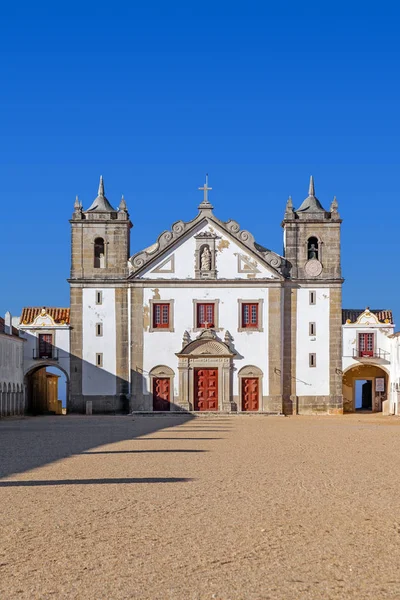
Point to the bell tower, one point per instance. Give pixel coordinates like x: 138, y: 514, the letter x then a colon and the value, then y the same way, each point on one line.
x: 313, y: 306
x: 312, y: 239
x: 100, y: 239
x: 100, y: 246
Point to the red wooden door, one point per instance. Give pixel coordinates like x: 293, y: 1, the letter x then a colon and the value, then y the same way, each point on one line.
x: 366, y: 344
x: 161, y: 393
x: 206, y: 389
x: 250, y: 393
x: 45, y: 345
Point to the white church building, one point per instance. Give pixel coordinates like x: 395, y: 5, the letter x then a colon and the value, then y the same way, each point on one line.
x: 208, y: 319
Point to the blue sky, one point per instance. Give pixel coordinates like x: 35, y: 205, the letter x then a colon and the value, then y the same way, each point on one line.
x: 152, y: 98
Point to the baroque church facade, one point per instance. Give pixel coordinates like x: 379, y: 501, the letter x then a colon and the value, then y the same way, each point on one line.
x: 206, y: 319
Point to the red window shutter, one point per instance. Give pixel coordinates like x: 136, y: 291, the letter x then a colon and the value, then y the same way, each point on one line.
x: 205, y: 315
x: 365, y: 344
x: 160, y: 316
x: 45, y: 345
x: 249, y: 315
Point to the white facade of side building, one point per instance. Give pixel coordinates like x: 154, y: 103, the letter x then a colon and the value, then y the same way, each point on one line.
x: 11, y: 370
x: 385, y: 358
x: 60, y: 357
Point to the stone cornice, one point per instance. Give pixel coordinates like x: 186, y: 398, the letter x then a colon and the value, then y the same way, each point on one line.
x: 198, y: 283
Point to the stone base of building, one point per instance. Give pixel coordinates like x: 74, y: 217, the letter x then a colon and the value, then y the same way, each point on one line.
x: 317, y: 405
x: 100, y: 404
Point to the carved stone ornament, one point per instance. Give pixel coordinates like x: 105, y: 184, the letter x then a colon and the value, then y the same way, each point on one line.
x: 207, y: 342
x: 205, y: 259
x: 313, y: 268
x: 205, y: 255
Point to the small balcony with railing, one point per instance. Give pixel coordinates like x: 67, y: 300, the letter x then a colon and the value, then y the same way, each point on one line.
x: 50, y: 353
x: 376, y: 355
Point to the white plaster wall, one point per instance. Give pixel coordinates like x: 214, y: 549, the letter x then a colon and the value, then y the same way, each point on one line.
x: 61, y: 341
x: 395, y: 376
x: 227, y: 259
x: 160, y: 346
x: 312, y: 381
x: 11, y: 359
x: 99, y: 380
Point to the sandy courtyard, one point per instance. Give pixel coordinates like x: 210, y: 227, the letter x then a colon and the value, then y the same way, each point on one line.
x: 228, y: 508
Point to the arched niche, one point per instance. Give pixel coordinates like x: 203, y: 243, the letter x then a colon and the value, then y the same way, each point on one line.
x: 99, y: 253
x: 157, y: 374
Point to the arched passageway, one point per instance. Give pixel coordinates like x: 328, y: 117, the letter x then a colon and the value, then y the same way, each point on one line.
x: 365, y: 387
x: 46, y: 390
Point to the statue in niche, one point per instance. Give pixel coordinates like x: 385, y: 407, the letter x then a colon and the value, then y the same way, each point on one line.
x: 205, y: 260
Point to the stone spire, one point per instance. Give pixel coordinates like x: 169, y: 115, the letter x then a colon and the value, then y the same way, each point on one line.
x: 77, y: 204
x: 311, y: 189
x: 101, y: 204
x: 122, y: 205
x: 311, y: 204
x: 101, y: 187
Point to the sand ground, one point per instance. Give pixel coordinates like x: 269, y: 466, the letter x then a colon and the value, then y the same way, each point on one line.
x: 206, y: 508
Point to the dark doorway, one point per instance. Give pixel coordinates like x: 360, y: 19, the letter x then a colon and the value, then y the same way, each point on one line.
x: 363, y: 394
x: 46, y: 391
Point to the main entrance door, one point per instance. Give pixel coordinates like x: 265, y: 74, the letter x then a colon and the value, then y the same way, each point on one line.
x: 250, y: 393
x: 161, y: 393
x: 206, y: 389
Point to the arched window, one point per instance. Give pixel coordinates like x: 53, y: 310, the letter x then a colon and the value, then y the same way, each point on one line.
x: 99, y: 258
x: 312, y: 248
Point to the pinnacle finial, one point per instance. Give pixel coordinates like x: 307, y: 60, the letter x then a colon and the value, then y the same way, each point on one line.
x: 77, y: 203
x: 289, y: 203
x: 122, y: 204
x: 311, y: 189
x: 334, y: 205
x: 101, y: 187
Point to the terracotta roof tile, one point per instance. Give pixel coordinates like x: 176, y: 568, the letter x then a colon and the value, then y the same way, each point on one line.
x: 59, y: 315
x: 353, y: 313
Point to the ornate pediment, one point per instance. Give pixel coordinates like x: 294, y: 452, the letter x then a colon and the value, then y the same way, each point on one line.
x: 206, y: 344
x: 168, y: 239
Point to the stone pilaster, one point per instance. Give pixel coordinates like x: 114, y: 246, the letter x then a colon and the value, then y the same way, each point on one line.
x: 289, y: 350
x: 273, y: 402
x: 122, y: 343
x: 335, y: 350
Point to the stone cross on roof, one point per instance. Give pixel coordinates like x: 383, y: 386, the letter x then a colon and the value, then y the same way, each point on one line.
x: 206, y: 203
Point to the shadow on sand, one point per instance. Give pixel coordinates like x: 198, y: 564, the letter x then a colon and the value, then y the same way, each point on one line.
x: 37, y: 441
x: 124, y: 480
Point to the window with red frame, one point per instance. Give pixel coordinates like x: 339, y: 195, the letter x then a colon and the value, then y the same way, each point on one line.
x: 249, y: 315
x: 205, y: 315
x: 365, y: 344
x: 160, y: 316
